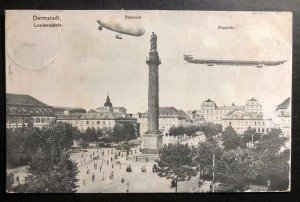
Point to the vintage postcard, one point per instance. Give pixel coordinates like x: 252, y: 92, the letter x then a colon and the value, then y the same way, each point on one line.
x: 148, y: 101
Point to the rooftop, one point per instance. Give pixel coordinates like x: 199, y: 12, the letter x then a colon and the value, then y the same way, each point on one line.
x: 23, y: 100
x: 252, y: 99
x: 68, y: 108
x: 166, y: 111
x: 285, y: 104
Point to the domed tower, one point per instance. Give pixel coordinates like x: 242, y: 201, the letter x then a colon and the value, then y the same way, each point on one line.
x: 108, y: 104
x: 253, y: 106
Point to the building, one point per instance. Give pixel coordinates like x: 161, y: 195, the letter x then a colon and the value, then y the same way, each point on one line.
x: 108, y: 105
x: 210, y: 112
x: 239, y: 117
x: 282, y: 118
x: 101, y: 117
x: 68, y: 110
x: 168, y: 117
x: 26, y: 111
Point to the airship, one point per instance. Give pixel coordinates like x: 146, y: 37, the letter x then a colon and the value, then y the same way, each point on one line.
x: 258, y: 64
x: 121, y: 28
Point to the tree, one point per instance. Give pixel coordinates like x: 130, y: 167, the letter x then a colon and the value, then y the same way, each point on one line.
x: 210, y: 129
x: 271, y: 143
x: 176, y: 162
x: 230, y: 138
x: 22, y: 143
x: 237, y: 168
x: 247, y: 137
x: 177, y: 131
x: 90, y: 135
x: 278, y: 171
x: 204, y: 156
x: 275, y: 158
x: 123, y: 132
x: 50, y: 168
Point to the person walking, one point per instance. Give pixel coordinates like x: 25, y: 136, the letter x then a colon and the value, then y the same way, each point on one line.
x: 18, y: 180
x: 93, y: 177
x: 112, y: 175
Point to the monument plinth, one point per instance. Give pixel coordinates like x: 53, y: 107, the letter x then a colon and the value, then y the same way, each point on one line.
x: 152, y: 140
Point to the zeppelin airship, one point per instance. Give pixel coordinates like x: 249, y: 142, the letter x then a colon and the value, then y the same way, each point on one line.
x: 258, y: 64
x: 121, y: 28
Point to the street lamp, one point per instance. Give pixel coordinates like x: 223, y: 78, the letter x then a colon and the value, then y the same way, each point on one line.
x: 213, y: 181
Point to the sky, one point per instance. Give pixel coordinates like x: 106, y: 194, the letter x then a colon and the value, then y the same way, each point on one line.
x: 77, y: 65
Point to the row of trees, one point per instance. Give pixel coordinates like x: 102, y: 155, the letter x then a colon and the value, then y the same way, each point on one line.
x: 236, y: 165
x: 119, y: 133
x: 209, y: 129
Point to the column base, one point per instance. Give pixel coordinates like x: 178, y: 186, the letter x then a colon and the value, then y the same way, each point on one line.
x: 152, y: 143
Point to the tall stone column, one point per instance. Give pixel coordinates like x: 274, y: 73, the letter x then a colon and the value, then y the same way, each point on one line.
x: 153, y: 93
x: 152, y: 140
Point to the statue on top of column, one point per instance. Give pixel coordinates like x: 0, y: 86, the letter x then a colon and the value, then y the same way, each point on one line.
x: 153, y: 41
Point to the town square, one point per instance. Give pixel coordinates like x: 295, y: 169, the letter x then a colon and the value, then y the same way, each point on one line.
x: 116, y: 102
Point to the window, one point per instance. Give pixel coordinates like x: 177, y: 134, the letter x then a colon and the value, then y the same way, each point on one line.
x: 48, y: 120
x: 43, y: 120
x: 87, y: 122
x: 103, y: 122
x: 230, y: 123
x: 98, y: 122
x: 37, y: 120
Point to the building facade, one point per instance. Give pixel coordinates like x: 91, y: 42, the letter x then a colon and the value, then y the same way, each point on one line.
x: 282, y: 118
x: 210, y: 112
x: 239, y: 117
x: 26, y: 111
x: 168, y: 117
x: 121, y: 111
x: 102, y: 117
x: 68, y: 110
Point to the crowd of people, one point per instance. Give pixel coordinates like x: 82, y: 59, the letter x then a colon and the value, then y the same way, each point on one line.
x: 102, y: 164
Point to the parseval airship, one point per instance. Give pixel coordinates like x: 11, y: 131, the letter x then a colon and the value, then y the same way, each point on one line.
x: 132, y: 29
x: 258, y: 64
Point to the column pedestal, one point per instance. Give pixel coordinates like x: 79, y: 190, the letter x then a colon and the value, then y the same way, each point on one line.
x: 152, y: 143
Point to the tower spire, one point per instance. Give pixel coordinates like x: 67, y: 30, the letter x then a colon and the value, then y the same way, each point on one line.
x: 107, y: 103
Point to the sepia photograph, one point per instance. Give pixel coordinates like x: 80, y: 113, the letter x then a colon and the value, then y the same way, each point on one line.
x: 148, y: 101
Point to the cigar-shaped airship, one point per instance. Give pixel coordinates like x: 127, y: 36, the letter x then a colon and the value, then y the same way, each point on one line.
x: 213, y: 62
x: 121, y: 27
